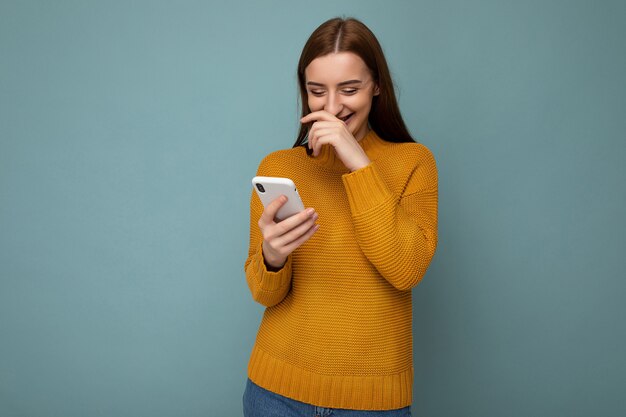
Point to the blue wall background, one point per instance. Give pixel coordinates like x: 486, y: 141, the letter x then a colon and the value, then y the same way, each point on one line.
x: 129, y: 132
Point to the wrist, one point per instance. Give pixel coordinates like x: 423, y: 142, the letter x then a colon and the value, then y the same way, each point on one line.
x: 271, y: 263
x: 273, y: 266
x: 361, y: 164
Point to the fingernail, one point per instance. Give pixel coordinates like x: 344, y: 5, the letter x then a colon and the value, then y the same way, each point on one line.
x: 310, y: 211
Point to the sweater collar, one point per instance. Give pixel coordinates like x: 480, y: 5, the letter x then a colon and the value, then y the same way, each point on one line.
x: 371, y: 143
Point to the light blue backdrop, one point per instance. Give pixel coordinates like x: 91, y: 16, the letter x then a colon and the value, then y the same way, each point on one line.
x: 129, y: 132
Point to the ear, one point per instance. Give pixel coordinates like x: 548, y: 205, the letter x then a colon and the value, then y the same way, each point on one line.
x: 376, y: 90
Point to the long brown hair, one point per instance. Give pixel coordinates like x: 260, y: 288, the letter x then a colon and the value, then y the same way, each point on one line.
x: 351, y: 35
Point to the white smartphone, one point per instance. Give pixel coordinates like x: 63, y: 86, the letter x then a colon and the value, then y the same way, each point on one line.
x: 270, y: 188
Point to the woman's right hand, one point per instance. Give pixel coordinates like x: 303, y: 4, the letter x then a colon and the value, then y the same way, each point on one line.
x: 282, y: 238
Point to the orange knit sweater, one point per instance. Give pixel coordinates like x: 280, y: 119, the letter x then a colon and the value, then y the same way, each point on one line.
x: 337, y: 329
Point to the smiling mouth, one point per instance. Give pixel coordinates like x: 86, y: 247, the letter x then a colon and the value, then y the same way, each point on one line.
x: 345, y: 118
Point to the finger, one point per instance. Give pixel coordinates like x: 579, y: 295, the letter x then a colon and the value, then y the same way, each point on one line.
x: 284, y: 246
x: 316, y: 134
x: 296, y: 232
x: 296, y: 243
x: 322, y: 137
x: 319, y: 115
x: 326, y: 124
x: 318, y: 126
x: 311, y: 139
x: 267, y: 217
x: 295, y: 220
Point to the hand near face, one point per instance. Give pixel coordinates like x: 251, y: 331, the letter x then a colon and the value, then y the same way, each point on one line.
x: 329, y: 130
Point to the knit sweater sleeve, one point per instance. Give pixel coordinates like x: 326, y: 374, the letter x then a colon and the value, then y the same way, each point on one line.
x: 398, y: 234
x: 267, y: 287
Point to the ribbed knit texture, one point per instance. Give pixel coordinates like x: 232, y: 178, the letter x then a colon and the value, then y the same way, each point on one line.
x: 337, y: 330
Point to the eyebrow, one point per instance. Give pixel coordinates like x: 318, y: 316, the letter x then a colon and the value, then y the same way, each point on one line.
x: 340, y: 84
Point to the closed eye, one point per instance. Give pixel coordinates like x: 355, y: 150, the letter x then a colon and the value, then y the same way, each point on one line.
x: 347, y: 91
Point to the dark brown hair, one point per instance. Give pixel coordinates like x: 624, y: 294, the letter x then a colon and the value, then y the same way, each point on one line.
x: 351, y: 35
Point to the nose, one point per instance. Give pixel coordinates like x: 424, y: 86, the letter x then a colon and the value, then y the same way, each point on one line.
x: 332, y: 104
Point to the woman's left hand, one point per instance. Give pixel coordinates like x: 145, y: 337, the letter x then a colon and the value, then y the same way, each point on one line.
x: 329, y: 130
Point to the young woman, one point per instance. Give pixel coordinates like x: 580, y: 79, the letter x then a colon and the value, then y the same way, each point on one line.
x: 336, y: 278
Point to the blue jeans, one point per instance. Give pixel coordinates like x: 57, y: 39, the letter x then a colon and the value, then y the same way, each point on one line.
x: 259, y: 402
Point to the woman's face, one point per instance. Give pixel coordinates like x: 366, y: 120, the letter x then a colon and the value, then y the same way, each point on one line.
x: 341, y: 84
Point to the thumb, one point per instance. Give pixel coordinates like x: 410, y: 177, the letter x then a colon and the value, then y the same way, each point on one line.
x: 270, y: 211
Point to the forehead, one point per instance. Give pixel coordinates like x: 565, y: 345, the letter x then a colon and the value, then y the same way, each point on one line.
x: 336, y: 67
